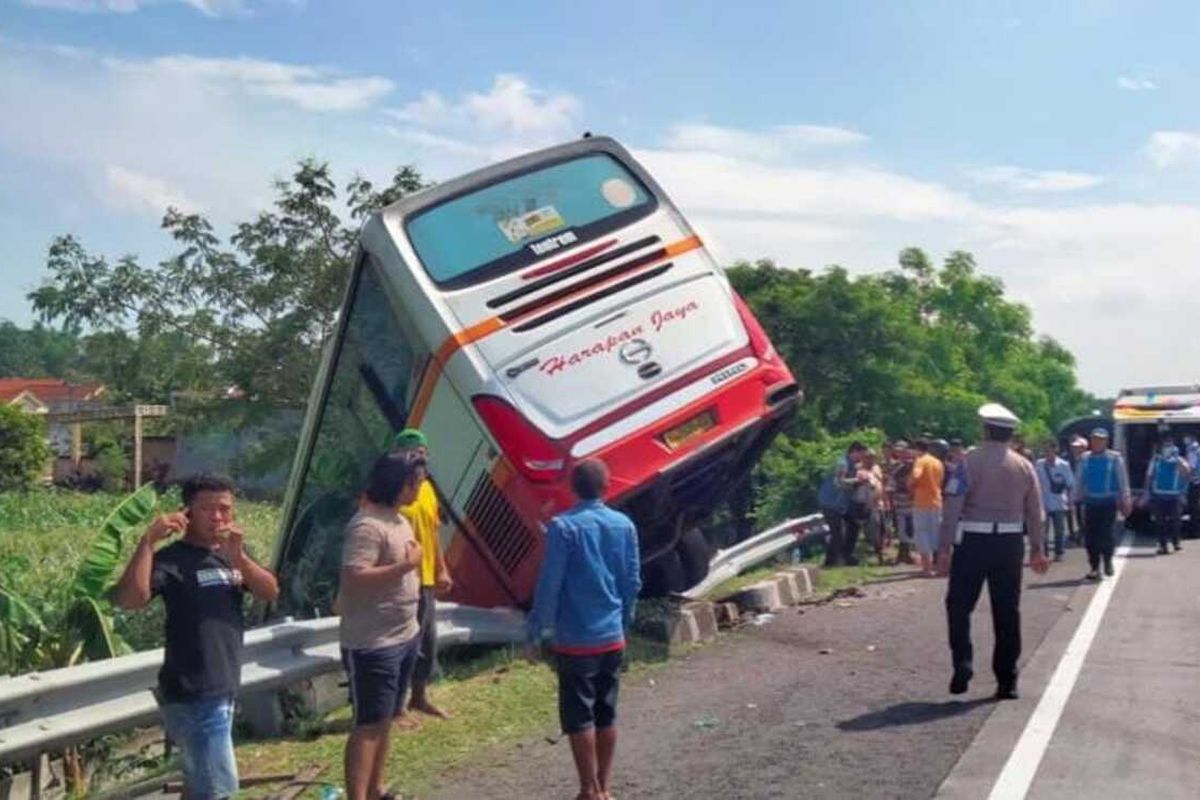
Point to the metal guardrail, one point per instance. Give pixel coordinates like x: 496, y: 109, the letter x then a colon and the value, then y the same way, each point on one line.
x: 46, y: 711
x: 736, y: 559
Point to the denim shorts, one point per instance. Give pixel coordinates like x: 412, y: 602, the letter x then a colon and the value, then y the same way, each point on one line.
x: 379, y: 680
x: 587, y: 690
x: 203, y: 730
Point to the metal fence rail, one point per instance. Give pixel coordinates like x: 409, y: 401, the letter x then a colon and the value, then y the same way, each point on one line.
x: 45, y: 711
x: 736, y: 559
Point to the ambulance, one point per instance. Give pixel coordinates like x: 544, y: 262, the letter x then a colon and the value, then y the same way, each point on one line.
x: 540, y: 311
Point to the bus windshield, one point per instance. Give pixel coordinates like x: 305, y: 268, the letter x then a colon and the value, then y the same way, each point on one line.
x: 517, y: 221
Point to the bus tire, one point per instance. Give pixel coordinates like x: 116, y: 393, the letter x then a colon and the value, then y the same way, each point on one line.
x: 695, y: 553
x: 663, y: 576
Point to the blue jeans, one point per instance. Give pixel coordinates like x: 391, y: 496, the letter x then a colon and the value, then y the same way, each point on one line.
x: 1058, y: 522
x: 203, y: 729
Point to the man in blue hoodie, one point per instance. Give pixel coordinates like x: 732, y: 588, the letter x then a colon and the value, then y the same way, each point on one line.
x: 585, y: 596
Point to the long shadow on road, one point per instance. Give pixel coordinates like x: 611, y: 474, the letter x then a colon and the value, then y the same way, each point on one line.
x: 910, y: 714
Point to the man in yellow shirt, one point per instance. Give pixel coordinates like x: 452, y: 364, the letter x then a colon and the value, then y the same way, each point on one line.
x: 925, y: 484
x: 425, y: 517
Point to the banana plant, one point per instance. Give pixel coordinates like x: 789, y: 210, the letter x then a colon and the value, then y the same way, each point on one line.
x: 89, y: 617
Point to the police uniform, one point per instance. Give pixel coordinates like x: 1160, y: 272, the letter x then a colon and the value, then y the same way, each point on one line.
x: 1102, y: 485
x: 985, y: 525
x: 1166, y: 484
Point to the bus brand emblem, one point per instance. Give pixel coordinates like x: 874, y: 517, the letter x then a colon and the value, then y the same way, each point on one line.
x: 635, y: 352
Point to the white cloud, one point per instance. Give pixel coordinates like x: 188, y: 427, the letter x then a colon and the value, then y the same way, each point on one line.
x: 1032, y: 180
x: 1167, y: 148
x: 306, y: 87
x: 719, y: 183
x: 1136, y: 84
x: 210, y: 8
x: 129, y: 190
x: 511, y: 109
x: 770, y: 144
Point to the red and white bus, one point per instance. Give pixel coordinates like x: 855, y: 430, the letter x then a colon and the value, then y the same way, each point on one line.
x: 542, y: 310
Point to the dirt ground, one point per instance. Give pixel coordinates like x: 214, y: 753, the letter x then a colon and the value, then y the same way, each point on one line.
x: 848, y: 699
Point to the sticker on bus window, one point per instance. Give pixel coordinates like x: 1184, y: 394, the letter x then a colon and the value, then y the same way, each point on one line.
x: 618, y: 192
x: 532, y: 224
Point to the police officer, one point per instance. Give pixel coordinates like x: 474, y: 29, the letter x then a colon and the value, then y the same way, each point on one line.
x: 1166, y: 484
x: 1102, y: 485
x: 984, y: 525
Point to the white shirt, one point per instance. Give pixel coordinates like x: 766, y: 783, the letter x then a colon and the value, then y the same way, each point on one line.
x: 1056, y: 467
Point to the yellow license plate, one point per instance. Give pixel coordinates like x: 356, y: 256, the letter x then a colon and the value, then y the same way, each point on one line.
x: 695, y: 426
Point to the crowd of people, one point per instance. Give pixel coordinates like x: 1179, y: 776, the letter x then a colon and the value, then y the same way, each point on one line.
x: 896, y: 496
x: 392, y: 572
x: 957, y: 511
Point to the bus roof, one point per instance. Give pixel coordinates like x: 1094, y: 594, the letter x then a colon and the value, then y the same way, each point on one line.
x: 1148, y: 404
x: 494, y: 173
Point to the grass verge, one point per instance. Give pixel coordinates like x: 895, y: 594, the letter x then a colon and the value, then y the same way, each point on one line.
x: 495, y: 699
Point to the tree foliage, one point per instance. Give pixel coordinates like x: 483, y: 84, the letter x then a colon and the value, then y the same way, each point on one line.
x: 24, y: 453
x: 911, y: 350
x: 251, y: 312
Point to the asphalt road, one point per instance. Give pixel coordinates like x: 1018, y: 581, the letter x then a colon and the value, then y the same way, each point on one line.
x: 843, y: 700
x: 1130, y: 723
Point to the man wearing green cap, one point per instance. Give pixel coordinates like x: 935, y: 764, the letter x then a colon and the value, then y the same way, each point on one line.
x: 424, y: 515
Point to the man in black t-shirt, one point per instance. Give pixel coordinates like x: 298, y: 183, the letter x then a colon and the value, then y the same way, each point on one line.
x: 202, y: 579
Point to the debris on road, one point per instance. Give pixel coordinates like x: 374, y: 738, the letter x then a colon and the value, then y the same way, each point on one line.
x: 825, y: 651
x: 706, y: 723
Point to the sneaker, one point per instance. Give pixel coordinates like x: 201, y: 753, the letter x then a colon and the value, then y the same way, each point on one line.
x: 1108, y: 567
x: 1094, y: 575
x: 1178, y: 546
x: 1162, y: 550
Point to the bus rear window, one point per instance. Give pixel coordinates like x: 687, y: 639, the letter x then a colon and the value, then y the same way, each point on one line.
x: 517, y: 221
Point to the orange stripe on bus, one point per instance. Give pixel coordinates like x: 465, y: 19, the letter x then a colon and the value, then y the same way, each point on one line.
x: 433, y: 372
x: 683, y: 246
x: 487, y: 327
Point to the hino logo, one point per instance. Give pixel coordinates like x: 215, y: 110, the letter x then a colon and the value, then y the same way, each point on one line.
x: 635, y: 352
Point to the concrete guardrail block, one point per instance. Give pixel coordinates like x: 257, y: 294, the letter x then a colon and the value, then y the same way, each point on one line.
x: 759, y: 597
x: 790, y: 589
x: 808, y: 579
x: 685, y: 624
x: 727, y: 614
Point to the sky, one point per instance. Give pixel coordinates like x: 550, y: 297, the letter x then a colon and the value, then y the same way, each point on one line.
x: 1057, y: 142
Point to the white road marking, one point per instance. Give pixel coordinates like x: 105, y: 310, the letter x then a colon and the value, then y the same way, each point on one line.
x: 1022, y: 765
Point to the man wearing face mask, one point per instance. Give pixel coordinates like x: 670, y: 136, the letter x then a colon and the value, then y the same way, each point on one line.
x: 1166, y: 485
x: 202, y: 579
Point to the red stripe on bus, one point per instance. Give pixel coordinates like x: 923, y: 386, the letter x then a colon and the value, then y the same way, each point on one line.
x: 569, y: 261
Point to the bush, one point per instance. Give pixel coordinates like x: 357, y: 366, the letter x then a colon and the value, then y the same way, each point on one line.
x: 24, y: 451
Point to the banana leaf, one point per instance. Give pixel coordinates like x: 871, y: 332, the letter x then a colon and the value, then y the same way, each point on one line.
x: 19, y: 625
x: 104, y: 555
x: 92, y: 626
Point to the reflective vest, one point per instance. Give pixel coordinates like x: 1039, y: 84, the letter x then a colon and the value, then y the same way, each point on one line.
x: 1167, y: 478
x: 1100, y: 481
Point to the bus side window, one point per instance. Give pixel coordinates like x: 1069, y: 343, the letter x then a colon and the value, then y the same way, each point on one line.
x: 370, y: 390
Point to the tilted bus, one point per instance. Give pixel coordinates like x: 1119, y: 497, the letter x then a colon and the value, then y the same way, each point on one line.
x: 549, y: 308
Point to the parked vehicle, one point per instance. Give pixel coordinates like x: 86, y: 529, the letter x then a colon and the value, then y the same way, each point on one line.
x: 542, y: 310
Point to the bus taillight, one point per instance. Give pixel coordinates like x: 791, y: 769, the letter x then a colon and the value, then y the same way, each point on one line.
x: 536, y: 456
x: 759, y: 341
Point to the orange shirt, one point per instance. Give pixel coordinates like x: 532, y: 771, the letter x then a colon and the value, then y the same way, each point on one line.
x: 925, y: 482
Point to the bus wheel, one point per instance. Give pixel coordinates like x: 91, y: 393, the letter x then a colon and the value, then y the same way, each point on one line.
x: 695, y: 553
x: 663, y: 576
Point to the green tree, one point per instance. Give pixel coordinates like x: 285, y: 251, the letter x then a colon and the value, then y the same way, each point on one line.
x: 260, y: 305
x: 37, y: 352
x: 24, y: 452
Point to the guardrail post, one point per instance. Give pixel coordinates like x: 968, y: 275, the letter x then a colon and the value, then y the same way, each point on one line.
x: 263, y: 713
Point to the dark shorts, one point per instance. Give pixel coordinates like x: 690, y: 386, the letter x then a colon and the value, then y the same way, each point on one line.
x: 587, y: 690
x: 427, y: 654
x: 379, y: 680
